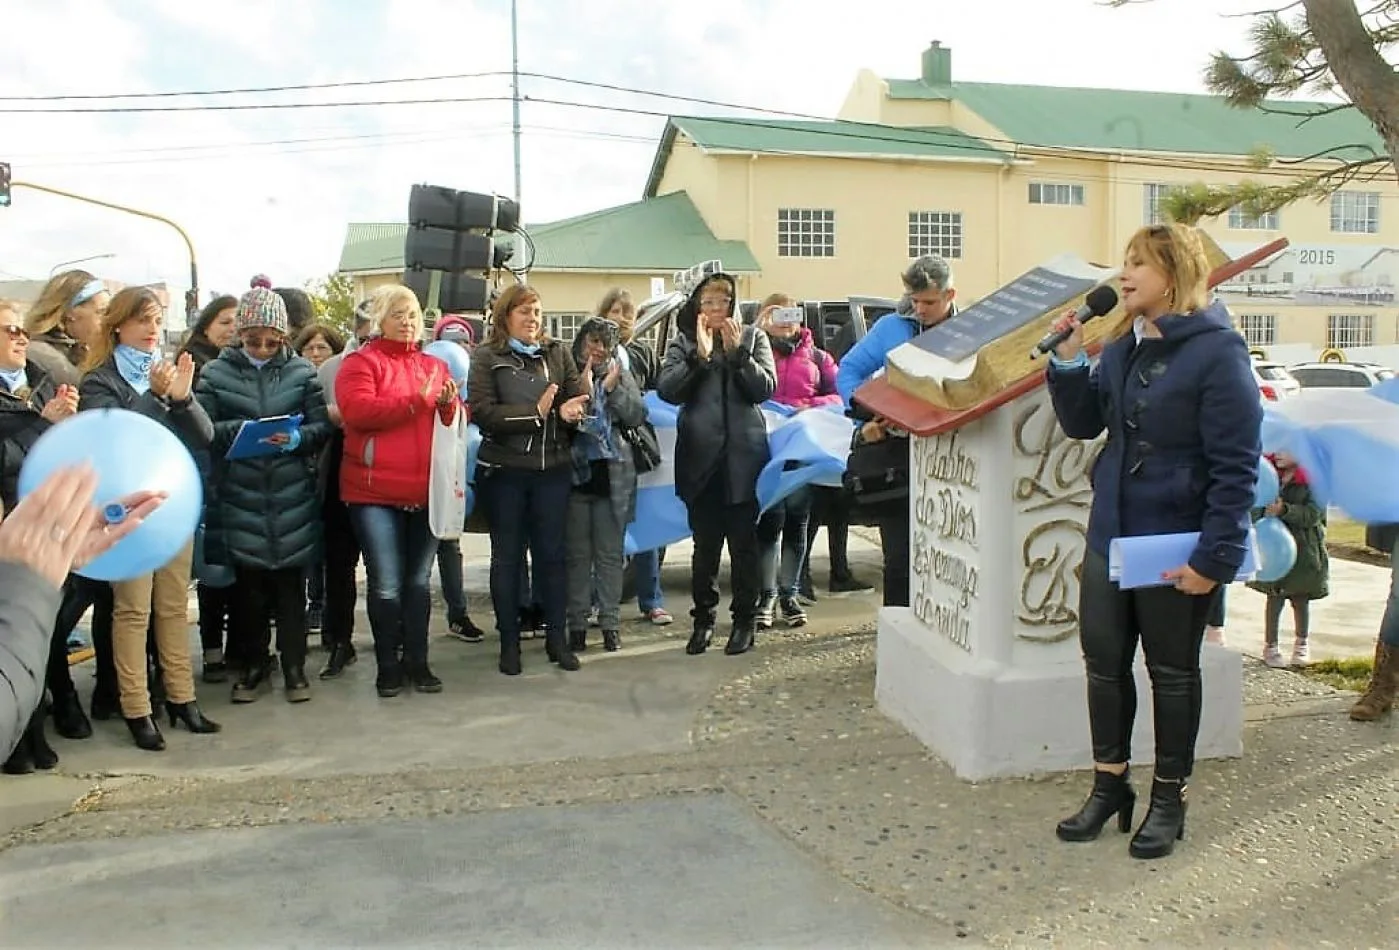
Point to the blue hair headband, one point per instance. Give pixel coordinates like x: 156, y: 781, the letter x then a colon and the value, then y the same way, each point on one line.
x: 90, y: 289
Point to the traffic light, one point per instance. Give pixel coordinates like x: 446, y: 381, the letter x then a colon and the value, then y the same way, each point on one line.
x: 453, y: 232
x: 4, y: 184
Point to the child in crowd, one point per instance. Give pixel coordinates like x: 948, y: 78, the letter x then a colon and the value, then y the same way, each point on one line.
x: 1307, y: 581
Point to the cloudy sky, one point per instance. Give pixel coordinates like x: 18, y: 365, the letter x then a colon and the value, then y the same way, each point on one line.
x: 271, y: 190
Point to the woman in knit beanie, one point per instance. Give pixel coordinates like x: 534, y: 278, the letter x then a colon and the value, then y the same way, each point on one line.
x: 264, y: 519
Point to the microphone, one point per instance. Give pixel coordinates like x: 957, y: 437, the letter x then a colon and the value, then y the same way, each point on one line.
x: 1100, y: 300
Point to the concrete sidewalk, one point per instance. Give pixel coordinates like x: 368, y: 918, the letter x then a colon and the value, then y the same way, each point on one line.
x: 658, y: 800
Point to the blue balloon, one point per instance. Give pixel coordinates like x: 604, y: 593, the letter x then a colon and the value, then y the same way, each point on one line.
x: 455, y: 356
x: 130, y: 453
x: 1277, y: 550
x: 1265, y: 490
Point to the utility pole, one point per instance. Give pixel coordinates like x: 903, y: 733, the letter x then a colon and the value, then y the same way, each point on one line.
x: 515, y: 89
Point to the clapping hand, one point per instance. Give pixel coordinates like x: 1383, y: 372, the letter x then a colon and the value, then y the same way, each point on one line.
x: 182, y: 379
x: 572, y: 411
x: 613, y: 377
x: 704, y: 339
x: 448, y: 393
x: 731, y: 331
x: 62, y: 405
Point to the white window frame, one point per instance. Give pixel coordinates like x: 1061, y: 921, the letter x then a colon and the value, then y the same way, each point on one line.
x: 1239, y: 220
x: 1355, y: 212
x: 1346, y: 331
x: 935, y: 232
x: 1258, y: 329
x: 1057, y: 193
x: 564, y: 326
x: 1152, y: 193
x: 806, y: 232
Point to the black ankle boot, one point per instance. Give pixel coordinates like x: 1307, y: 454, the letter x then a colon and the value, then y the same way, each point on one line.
x: 510, y: 660
x: 69, y: 720
x: 297, y: 687
x: 741, y: 639
x: 1111, y: 795
x: 342, y: 654
x: 1164, y: 823
x: 192, y: 716
x: 105, y: 704
x: 578, y: 640
x: 39, y: 749
x: 20, y: 761
x: 146, y: 733
x: 611, y: 640
x: 700, y: 638
x: 558, y: 652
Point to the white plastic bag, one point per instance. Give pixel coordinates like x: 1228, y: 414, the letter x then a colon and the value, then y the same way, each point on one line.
x: 446, y: 493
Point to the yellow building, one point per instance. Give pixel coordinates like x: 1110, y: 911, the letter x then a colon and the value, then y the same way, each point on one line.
x: 998, y: 178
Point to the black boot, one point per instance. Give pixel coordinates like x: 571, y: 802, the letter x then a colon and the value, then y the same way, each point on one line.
x: 342, y: 654
x: 423, y: 679
x: 1164, y: 824
x: 578, y: 640
x: 105, y: 704
x: 192, y: 716
x: 741, y: 639
x: 298, y: 689
x: 146, y: 733
x: 611, y: 640
x: 39, y: 749
x: 700, y: 639
x: 559, y: 652
x: 20, y: 762
x: 510, y: 660
x: 69, y: 720
x: 1111, y: 795
x: 253, y: 681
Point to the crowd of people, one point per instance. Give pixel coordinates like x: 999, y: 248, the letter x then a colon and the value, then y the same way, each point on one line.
x: 563, y: 436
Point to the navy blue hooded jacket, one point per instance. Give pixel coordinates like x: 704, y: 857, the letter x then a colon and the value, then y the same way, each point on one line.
x: 1182, y: 416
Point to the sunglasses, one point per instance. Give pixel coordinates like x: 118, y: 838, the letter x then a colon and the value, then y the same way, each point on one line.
x: 15, y: 332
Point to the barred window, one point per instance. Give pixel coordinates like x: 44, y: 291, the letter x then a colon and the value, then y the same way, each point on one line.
x: 564, y: 326
x: 1259, y: 329
x: 1151, y: 203
x: 806, y: 232
x: 1346, y: 330
x: 935, y: 232
x: 1240, y: 221
x: 1044, y: 193
x: 1355, y: 212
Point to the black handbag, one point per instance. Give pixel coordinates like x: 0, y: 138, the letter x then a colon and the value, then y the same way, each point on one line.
x: 646, y: 447
x: 877, y: 472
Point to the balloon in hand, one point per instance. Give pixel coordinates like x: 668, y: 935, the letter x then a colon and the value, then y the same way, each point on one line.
x: 130, y: 452
x: 1277, y: 550
x: 455, y: 356
x: 1265, y: 490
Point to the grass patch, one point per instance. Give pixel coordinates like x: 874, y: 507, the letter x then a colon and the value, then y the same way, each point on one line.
x: 1352, y: 674
x: 1345, y: 531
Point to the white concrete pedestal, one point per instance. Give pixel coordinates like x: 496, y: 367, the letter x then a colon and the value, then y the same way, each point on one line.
x: 984, y: 665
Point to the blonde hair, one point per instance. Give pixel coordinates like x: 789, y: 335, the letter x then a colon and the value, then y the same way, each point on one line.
x: 617, y: 295
x: 128, y: 303
x: 777, y: 300
x: 386, y: 298
x: 512, y: 297
x: 1178, y: 254
x: 55, y: 301
x: 11, y: 305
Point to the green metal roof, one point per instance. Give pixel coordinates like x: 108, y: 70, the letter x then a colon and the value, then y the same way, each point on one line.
x: 1114, y: 119
x: 801, y: 137
x: 665, y: 233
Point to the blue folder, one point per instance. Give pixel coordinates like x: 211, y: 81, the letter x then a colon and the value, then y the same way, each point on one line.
x: 251, y: 440
x: 1140, y: 561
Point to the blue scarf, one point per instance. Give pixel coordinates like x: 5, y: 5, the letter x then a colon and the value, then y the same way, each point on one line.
x: 135, y: 367
x: 14, y: 379
x: 595, y: 434
x: 524, y: 349
x: 258, y: 364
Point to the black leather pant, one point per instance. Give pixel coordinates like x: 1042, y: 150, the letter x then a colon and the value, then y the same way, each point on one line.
x: 1171, y: 627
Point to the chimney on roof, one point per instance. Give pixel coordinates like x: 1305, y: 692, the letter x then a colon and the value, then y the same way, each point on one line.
x: 937, y: 65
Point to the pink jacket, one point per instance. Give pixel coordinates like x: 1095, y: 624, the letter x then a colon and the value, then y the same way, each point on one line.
x: 806, y: 377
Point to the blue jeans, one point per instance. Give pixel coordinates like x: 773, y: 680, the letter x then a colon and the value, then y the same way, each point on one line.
x: 398, y: 552
x: 449, y: 571
x: 647, y: 565
x: 526, y: 509
x: 1389, y: 625
x: 785, y: 522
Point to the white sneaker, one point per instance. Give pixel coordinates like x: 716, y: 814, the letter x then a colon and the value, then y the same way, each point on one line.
x: 1301, y: 653
x: 1215, y: 635
x: 1273, y: 657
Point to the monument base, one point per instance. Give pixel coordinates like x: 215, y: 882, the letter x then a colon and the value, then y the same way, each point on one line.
x: 992, y: 720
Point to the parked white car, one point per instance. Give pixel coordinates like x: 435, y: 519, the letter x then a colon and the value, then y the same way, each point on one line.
x: 1274, y: 381
x: 1338, y: 375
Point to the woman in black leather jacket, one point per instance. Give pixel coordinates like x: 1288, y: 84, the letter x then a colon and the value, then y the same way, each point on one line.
x: 526, y: 397
x: 718, y: 372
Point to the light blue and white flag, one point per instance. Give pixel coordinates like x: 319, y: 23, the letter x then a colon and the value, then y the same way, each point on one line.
x: 1347, y: 442
x: 816, y: 442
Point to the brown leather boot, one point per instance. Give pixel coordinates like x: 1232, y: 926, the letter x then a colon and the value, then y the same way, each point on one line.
x: 1384, y: 682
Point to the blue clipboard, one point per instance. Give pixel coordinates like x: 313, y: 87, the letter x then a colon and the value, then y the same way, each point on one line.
x: 251, y: 440
x: 1140, y: 561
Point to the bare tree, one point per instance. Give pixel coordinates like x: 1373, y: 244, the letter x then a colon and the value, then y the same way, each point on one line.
x: 1329, y: 47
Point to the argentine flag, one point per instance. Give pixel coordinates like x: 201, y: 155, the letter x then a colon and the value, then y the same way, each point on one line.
x: 816, y: 442
x: 1347, y: 441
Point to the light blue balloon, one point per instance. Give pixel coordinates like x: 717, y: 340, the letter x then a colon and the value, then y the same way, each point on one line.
x: 1265, y: 490
x: 1277, y: 550
x: 130, y: 453
x: 455, y: 356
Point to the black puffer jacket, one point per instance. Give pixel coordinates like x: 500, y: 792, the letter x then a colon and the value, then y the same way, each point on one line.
x: 265, y: 513
x: 20, y: 427
x: 719, y: 423
x: 503, y: 392
x: 104, y: 388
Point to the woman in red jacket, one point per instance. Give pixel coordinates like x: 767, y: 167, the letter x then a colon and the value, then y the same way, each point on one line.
x: 388, y: 393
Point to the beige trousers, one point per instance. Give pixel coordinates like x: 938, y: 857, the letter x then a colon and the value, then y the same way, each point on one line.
x: 166, y: 594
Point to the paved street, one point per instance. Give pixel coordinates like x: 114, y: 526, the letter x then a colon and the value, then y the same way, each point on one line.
x: 659, y: 800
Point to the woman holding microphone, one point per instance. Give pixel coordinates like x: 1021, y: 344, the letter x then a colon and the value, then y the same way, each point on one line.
x: 1175, y: 393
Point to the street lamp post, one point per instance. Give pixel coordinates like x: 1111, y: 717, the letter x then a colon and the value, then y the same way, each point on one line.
x: 80, y: 260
